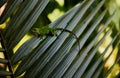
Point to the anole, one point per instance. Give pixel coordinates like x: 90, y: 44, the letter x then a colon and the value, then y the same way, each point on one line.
x: 47, y: 31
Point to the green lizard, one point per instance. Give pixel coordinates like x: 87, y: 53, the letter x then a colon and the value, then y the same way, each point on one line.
x: 47, y: 31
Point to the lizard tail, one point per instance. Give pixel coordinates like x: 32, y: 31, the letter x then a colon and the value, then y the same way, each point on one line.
x: 77, y: 39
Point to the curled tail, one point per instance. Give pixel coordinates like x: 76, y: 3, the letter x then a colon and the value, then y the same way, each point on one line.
x: 77, y: 39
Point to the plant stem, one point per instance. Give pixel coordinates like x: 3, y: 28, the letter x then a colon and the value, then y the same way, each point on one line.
x: 6, y: 53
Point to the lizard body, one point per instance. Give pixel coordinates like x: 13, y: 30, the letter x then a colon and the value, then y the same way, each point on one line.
x: 47, y: 31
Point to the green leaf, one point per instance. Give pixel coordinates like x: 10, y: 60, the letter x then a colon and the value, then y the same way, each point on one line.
x: 111, y: 8
x: 3, y: 61
x: 1, y: 49
x: 88, y: 58
x: 57, y: 56
x: 20, y: 16
x: 25, y: 49
x: 5, y: 73
x: 112, y: 67
x: 10, y: 8
x: 64, y: 65
x: 93, y: 68
x: 19, y: 31
x: 97, y: 73
x: 62, y: 52
x: 62, y: 22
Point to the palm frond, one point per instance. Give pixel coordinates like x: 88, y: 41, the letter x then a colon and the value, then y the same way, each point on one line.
x: 58, y: 56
